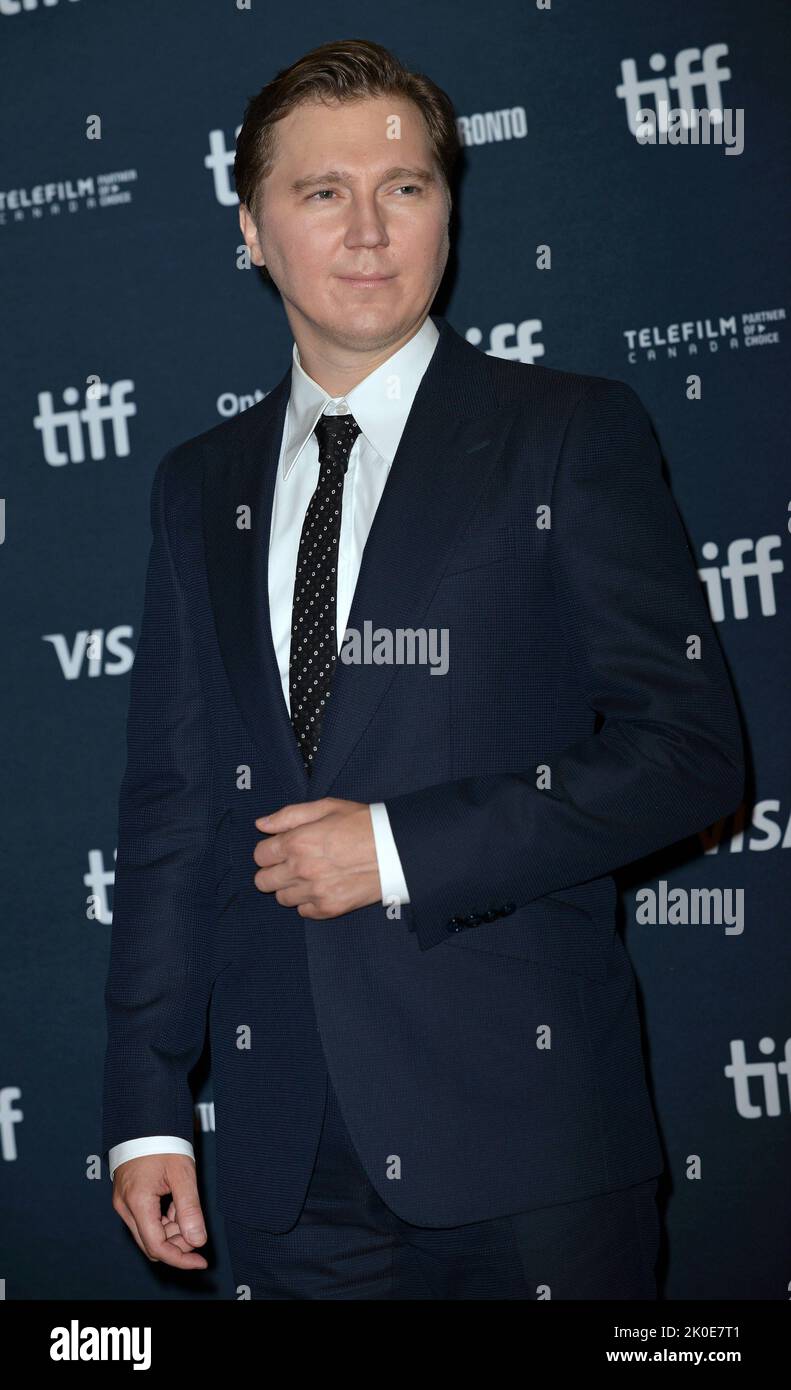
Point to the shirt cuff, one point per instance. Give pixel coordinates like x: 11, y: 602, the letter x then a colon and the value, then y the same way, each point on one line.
x: 152, y: 1144
x: 391, y: 874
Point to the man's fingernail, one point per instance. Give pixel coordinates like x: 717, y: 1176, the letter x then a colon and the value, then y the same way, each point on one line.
x: 196, y: 1234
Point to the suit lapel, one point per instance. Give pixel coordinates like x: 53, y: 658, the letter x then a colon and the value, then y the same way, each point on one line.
x: 237, y: 562
x: 452, y: 440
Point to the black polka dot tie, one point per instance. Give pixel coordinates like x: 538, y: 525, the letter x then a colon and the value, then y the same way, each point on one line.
x: 314, y: 640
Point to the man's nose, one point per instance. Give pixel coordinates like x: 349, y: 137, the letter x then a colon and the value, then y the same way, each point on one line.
x: 366, y: 226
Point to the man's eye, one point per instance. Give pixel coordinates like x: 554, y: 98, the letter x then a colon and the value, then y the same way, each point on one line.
x: 416, y: 188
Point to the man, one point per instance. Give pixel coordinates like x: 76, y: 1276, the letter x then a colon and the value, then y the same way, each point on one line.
x: 387, y: 877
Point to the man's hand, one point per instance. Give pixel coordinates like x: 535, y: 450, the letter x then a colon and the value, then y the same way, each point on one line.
x: 138, y: 1185
x: 319, y: 857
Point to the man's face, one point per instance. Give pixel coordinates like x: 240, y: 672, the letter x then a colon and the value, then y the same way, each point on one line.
x: 344, y: 201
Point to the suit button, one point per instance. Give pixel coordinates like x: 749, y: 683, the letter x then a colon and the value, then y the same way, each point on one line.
x: 507, y: 909
x: 471, y: 920
x: 455, y: 924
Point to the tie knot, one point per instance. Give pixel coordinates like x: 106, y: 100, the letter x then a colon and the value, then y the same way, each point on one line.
x: 336, y: 435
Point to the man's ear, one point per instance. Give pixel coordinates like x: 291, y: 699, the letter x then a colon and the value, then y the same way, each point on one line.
x: 250, y: 233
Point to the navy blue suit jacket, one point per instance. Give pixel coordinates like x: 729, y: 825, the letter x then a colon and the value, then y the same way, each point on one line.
x: 484, y: 1046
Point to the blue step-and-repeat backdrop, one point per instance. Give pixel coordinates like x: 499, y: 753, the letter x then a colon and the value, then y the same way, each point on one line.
x: 651, y: 248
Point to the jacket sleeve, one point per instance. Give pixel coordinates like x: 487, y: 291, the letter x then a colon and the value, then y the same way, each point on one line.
x: 667, y: 757
x: 157, y: 987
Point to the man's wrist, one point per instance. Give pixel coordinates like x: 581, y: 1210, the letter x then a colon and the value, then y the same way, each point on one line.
x: 391, y: 874
x: 149, y: 1144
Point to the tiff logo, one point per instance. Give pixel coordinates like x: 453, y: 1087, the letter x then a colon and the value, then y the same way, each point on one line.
x: 740, y: 1070
x: 17, y: 6
x: 9, y: 1117
x: 94, y: 415
x: 98, y: 879
x: 512, y: 341
x: 682, y: 123
x: 218, y: 161
x: 737, y: 571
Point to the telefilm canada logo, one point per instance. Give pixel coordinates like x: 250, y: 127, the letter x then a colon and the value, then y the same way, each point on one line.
x: 79, y: 193
x: 696, y: 337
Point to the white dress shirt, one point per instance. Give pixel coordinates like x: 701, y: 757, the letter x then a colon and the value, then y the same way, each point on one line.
x: 380, y: 404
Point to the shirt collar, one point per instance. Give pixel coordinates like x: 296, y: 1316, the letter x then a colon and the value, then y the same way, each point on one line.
x: 380, y: 412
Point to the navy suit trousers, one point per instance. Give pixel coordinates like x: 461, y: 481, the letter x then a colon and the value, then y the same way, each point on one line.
x: 347, y: 1244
